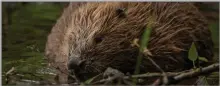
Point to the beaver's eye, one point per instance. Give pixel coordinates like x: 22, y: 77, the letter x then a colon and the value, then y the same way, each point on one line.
x: 98, y: 39
x: 121, y: 12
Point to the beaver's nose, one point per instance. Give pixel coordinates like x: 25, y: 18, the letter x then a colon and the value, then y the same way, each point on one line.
x: 75, y: 63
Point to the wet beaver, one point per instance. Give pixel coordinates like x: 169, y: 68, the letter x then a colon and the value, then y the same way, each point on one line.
x: 96, y: 36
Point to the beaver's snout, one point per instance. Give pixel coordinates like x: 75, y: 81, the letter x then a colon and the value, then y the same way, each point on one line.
x: 78, y: 68
x: 75, y: 64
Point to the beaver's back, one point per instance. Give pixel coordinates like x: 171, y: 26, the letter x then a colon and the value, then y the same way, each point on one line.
x: 175, y: 26
x: 178, y: 25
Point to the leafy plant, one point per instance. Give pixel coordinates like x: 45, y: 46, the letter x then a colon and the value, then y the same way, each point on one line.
x: 143, y: 44
x: 193, y: 55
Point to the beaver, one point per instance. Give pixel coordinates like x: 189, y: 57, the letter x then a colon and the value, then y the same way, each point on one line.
x: 99, y: 35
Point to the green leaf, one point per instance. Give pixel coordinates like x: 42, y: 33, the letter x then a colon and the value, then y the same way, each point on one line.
x: 193, y: 53
x: 203, y: 59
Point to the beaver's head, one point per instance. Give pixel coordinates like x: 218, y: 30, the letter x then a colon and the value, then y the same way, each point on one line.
x: 101, y: 36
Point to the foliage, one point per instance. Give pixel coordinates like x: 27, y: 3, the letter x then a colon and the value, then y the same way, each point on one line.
x: 26, y: 38
x: 193, y: 55
x: 144, y: 42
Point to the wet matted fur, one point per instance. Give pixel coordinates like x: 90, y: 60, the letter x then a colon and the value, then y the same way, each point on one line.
x: 101, y: 34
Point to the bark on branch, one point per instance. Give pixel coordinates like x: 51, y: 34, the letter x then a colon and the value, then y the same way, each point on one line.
x: 176, y: 76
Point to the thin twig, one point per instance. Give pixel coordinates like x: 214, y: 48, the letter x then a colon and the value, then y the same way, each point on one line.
x: 147, y: 53
x: 149, y: 75
x: 176, y: 75
x: 197, y: 71
x: 10, y: 71
x: 105, y: 80
x: 191, y: 73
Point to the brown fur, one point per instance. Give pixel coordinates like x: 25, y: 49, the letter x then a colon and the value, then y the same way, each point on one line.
x: 57, y: 50
x: 175, y: 26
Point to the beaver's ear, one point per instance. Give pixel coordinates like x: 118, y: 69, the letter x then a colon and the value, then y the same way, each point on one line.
x: 121, y: 12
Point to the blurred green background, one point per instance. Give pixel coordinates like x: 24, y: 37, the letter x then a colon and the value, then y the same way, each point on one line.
x: 25, y: 27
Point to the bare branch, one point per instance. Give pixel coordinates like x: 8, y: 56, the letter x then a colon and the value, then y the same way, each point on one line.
x: 197, y: 72
x: 10, y: 71
x: 177, y: 75
x: 149, y: 75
